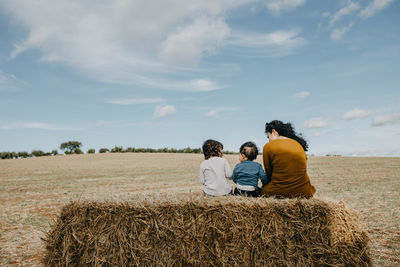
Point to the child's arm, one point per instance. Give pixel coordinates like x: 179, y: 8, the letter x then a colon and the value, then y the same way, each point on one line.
x: 228, y: 170
x: 234, y: 176
x: 263, y: 177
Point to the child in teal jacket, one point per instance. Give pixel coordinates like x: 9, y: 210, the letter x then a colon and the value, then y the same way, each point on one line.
x: 247, y: 173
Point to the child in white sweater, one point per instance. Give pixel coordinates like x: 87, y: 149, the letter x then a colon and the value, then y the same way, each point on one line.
x: 215, y: 170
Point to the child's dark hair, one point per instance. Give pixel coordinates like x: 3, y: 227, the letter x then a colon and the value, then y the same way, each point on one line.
x: 250, y: 150
x: 287, y: 130
x: 212, y: 148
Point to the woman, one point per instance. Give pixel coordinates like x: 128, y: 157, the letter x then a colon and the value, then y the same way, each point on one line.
x: 285, y: 162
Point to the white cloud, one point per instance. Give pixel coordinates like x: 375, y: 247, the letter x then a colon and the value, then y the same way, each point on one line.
x: 338, y: 33
x: 212, y: 113
x: 356, y: 114
x: 197, y: 85
x: 301, y: 94
x: 387, y: 119
x: 126, y: 42
x: 203, y: 85
x: 277, y: 6
x: 163, y: 111
x: 215, y: 112
x: 134, y: 101
x: 274, y: 44
x: 347, y: 10
x: 189, y: 44
x: 373, y: 7
x: 139, y: 42
x: 37, y: 125
x: 318, y: 122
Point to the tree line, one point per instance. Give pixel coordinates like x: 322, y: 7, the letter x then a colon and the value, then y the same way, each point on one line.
x: 74, y: 147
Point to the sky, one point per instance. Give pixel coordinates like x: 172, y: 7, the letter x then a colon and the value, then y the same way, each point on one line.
x: 174, y: 73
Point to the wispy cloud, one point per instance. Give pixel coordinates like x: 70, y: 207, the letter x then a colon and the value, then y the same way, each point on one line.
x: 134, y: 101
x: 215, y: 112
x: 278, y: 6
x: 199, y: 39
x: 387, y: 119
x: 350, y: 7
x: 373, y: 7
x: 197, y: 85
x: 344, y: 11
x: 338, y: 33
x: 162, y: 111
x: 7, y: 82
x: 274, y: 44
x: 303, y: 94
x: 317, y: 122
x: 37, y: 125
x: 356, y: 114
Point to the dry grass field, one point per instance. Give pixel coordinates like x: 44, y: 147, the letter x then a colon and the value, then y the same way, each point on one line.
x: 32, y: 192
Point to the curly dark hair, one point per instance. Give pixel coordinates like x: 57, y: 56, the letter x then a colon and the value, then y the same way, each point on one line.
x: 212, y: 148
x: 250, y: 150
x: 287, y: 130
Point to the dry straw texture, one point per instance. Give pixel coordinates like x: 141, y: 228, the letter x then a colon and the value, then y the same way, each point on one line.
x: 226, y: 231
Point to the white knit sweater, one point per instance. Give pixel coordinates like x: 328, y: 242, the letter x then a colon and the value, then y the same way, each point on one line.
x: 214, y: 173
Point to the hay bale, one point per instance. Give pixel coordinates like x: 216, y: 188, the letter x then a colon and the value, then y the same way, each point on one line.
x: 227, y: 231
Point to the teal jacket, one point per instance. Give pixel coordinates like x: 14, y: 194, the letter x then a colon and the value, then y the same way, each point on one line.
x: 248, y: 172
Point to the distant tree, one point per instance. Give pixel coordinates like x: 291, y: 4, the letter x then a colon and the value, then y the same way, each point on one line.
x: 104, y: 150
x: 5, y: 155
x: 91, y: 151
x: 54, y: 152
x: 47, y: 154
x: 37, y: 153
x: 196, y: 150
x: 187, y: 150
x: 117, y: 149
x: 71, y: 147
x: 23, y: 154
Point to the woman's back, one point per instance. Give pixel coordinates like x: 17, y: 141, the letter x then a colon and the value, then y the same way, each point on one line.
x: 286, y: 163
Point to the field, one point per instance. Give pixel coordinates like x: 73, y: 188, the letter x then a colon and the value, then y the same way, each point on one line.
x: 33, y: 190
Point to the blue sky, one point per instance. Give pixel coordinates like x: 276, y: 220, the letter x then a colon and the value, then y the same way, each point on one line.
x: 174, y: 73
